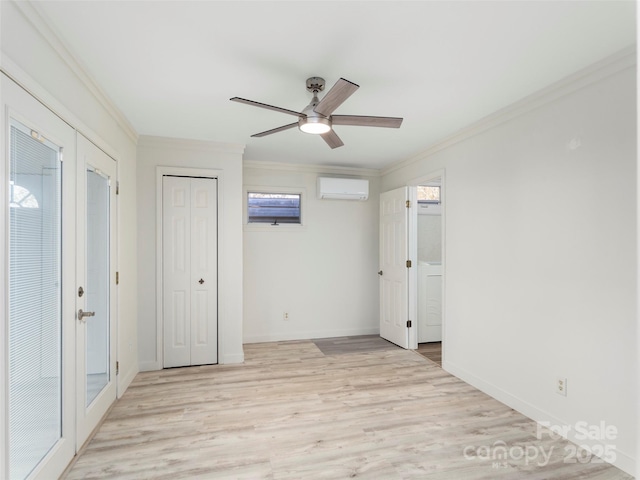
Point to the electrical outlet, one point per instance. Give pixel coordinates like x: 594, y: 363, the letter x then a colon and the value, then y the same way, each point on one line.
x: 561, y: 386
x: 285, y: 316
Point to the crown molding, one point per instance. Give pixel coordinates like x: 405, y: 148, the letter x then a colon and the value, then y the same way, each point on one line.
x: 13, y: 72
x: 151, y: 142
x: 295, y: 167
x: 622, y: 60
x: 37, y: 18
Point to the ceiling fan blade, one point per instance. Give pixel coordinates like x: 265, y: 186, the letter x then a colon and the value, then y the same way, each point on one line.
x: 364, y: 121
x: 276, y: 130
x: 342, y: 90
x: 332, y: 139
x: 268, y: 107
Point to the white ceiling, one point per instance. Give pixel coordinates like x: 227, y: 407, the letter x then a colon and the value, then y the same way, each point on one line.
x: 171, y: 66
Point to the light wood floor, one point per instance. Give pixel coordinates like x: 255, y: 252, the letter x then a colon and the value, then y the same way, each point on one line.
x: 292, y: 412
x: 432, y: 351
x: 355, y: 344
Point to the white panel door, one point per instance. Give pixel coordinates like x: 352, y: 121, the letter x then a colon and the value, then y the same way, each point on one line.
x: 96, y: 290
x: 189, y: 239
x: 37, y: 197
x: 394, y: 277
x: 176, y: 228
x: 204, y: 271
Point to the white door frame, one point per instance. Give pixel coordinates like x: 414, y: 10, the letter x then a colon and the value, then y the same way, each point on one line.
x: 161, y: 171
x: 412, y: 240
x: 413, y: 252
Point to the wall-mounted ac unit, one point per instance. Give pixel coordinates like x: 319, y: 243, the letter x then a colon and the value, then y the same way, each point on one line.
x: 343, y: 188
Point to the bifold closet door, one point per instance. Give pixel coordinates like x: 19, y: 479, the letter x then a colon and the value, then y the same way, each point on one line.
x: 190, y: 271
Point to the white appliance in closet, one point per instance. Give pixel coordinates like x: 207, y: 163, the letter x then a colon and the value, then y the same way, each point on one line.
x: 429, y: 302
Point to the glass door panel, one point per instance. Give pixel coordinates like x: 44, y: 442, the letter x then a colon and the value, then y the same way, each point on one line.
x: 35, y: 318
x: 97, y: 290
x: 95, y: 264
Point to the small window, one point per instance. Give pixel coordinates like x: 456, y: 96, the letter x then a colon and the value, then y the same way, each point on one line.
x: 273, y: 208
x: 428, y: 194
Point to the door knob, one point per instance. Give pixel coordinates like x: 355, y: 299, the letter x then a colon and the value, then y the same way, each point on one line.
x: 380, y: 273
x: 201, y: 281
x: 82, y: 314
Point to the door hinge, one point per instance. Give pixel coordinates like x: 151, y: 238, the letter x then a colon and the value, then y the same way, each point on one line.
x: 408, y: 323
x: 117, y: 278
x: 408, y: 203
x: 408, y: 263
x: 117, y: 368
x: 117, y: 188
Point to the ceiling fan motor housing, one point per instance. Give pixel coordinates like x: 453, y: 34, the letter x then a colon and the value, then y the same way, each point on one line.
x: 315, y: 84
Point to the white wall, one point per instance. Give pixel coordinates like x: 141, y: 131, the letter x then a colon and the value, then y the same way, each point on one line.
x: 33, y: 57
x: 323, y: 273
x: 224, y: 161
x: 543, y: 284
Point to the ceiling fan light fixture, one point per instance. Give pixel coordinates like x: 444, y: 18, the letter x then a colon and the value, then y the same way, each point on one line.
x: 314, y: 125
x: 317, y: 118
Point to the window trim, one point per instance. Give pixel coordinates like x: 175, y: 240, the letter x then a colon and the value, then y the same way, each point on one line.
x: 268, y: 226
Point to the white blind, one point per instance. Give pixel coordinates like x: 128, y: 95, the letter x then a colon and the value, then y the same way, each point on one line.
x: 34, y: 299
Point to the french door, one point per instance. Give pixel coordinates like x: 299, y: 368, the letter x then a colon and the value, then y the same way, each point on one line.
x: 58, y: 241
x: 39, y: 178
x: 96, y: 287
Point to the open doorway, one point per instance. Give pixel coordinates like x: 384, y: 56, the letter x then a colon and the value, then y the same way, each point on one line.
x: 430, y: 279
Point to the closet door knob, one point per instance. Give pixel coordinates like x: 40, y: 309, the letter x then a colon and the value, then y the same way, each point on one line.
x: 201, y: 281
x: 380, y: 273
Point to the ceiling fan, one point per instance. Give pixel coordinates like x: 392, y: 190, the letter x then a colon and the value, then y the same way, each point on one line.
x: 317, y: 118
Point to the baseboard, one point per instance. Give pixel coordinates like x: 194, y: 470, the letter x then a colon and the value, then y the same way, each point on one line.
x: 149, y: 366
x: 284, y: 336
x: 124, y: 380
x: 231, y: 358
x: 223, y: 360
x: 623, y: 461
